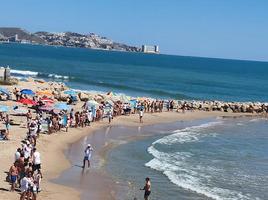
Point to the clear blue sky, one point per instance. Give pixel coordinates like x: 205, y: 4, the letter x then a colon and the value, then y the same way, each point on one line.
x: 211, y: 28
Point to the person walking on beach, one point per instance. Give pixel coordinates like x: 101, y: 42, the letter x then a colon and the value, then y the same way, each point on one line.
x: 87, y: 157
x: 147, y: 188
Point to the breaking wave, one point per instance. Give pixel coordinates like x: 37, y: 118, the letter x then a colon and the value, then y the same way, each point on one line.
x: 178, y: 169
x: 25, y: 73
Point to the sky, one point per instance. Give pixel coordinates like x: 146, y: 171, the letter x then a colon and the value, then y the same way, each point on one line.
x: 236, y: 29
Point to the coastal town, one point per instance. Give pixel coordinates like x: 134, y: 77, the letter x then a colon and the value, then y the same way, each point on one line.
x: 67, y: 39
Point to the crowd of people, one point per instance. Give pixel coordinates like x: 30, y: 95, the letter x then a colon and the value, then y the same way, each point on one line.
x: 25, y: 173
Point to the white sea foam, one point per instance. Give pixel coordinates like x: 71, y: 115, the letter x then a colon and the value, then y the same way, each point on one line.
x: 180, y: 171
x: 23, y: 72
x: 56, y: 76
x: 258, y: 119
x: 190, y: 134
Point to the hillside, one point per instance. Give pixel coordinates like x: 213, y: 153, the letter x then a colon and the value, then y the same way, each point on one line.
x: 9, y: 32
x: 69, y: 39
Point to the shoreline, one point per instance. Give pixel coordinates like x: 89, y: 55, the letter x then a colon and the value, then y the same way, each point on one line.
x: 74, y: 192
x: 53, y: 147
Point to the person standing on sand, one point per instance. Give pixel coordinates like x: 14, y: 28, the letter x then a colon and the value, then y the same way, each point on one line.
x: 141, y: 115
x: 87, y: 157
x: 110, y: 115
x: 36, y: 160
x: 13, y: 175
x: 147, y: 188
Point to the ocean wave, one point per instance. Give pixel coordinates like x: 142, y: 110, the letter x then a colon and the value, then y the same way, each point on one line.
x: 179, y: 169
x: 23, y: 72
x: 26, y: 73
x: 189, y: 134
x: 56, y: 76
x: 258, y: 119
x: 179, y: 172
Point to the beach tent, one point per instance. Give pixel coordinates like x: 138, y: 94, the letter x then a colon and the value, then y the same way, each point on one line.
x: 44, y: 93
x: 4, y: 108
x: 27, y: 102
x: 27, y: 92
x: 62, y: 106
x: 70, y: 92
x: 4, y: 91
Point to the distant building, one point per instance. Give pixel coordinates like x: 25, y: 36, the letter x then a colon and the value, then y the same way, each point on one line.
x: 14, y: 38
x: 150, y: 49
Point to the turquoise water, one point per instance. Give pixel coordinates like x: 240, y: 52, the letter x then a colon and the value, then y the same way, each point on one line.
x: 223, y: 159
x: 141, y: 74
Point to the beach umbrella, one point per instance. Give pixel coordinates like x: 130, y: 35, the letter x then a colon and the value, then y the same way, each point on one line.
x: 44, y: 93
x: 92, y: 103
x: 62, y: 106
x: 27, y: 102
x: 4, y: 108
x: 70, y: 92
x: 110, y: 102
x: 27, y: 92
x: 47, y: 100
x: 124, y: 98
x: 4, y: 91
x: 133, y: 103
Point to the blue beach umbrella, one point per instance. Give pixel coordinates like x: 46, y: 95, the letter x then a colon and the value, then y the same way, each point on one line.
x: 133, y: 103
x: 4, y: 91
x: 62, y: 106
x: 4, y: 108
x: 70, y: 92
x: 27, y: 92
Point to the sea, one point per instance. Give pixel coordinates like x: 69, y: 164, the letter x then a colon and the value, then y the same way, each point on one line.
x: 222, y: 158
x: 137, y: 74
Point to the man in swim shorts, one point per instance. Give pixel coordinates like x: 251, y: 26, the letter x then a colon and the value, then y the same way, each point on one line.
x: 147, y: 188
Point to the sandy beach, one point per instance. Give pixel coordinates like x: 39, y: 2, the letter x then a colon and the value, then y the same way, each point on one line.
x: 52, y: 149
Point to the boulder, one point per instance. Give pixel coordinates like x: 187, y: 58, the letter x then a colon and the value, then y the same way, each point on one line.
x: 83, y: 96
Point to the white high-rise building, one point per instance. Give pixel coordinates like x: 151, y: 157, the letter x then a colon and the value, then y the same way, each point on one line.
x: 150, y: 49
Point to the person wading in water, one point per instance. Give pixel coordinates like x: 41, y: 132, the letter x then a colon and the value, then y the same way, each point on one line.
x: 147, y: 188
x: 87, y: 156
